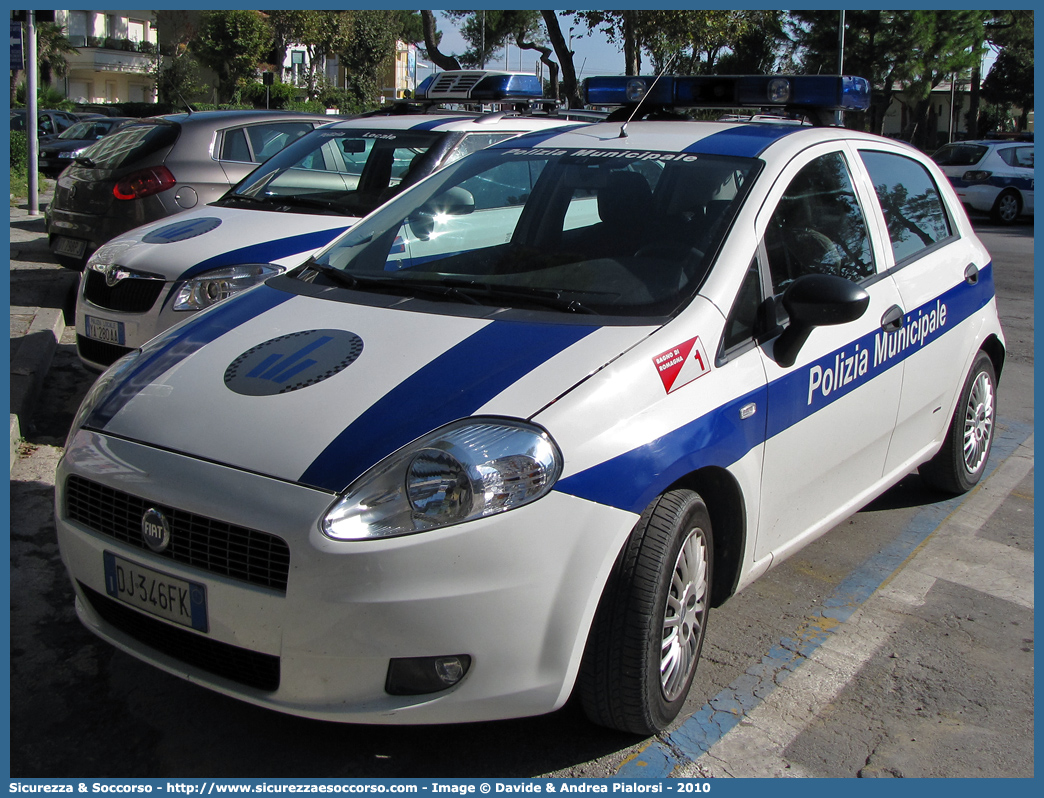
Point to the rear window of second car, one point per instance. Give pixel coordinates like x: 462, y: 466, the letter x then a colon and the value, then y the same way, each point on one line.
x: 126, y: 146
x: 959, y: 155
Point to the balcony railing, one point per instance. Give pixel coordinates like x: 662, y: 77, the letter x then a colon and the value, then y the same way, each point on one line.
x: 113, y: 43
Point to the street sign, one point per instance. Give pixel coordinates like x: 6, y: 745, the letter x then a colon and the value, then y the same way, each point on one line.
x: 17, y: 60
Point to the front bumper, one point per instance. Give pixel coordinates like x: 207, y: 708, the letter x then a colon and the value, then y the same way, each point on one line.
x: 516, y: 592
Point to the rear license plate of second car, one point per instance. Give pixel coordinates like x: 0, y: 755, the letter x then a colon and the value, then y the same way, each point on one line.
x: 111, y: 332
x: 73, y: 247
x: 156, y: 593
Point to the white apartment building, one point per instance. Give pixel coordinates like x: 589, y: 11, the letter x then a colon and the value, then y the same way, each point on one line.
x: 117, y: 55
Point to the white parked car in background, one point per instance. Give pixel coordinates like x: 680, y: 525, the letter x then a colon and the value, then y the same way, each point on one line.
x: 994, y: 177
x: 152, y: 277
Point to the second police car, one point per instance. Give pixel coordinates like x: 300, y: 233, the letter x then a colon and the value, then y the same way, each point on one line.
x: 150, y: 278
x: 517, y: 432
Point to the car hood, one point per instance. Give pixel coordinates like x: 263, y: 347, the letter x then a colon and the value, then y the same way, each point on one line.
x: 317, y: 392
x: 179, y: 247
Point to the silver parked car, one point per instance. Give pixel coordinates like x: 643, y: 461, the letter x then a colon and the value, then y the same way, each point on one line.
x: 160, y: 166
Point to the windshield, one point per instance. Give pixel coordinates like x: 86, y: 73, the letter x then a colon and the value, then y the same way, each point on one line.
x: 93, y: 129
x: 349, y: 172
x: 578, y: 231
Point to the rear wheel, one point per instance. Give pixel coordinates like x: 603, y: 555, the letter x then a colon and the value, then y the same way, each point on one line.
x: 960, y: 463
x: 1007, y: 207
x: 647, y: 636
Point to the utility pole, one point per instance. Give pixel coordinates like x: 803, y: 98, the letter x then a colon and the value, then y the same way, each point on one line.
x: 31, y: 114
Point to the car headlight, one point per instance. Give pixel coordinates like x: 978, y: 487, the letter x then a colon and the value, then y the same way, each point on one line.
x: 71, y: 153
x: 211, y: 287
x: 468, y: 469
x: 101, y: 390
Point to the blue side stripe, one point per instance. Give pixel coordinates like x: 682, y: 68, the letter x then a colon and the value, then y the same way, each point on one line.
x: 171, y: 348
x: 452, y: 386
x: 748, y: 141
x: 431, y: 124
x: 266, y: 251
x: 631, y: 480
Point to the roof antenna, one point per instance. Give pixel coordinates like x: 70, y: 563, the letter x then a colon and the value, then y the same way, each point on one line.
x: 623, y: 127
x: 182, y: 98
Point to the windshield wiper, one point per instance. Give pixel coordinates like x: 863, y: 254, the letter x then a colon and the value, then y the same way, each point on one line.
x: 466, y: 291
x: 548, y: 297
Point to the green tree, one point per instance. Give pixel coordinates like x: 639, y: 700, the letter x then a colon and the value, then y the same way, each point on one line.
x: 232, y: 43
x: 1010, y: 81
x: 320, y: 33
x: 52, y: 51
x: 372, y: 44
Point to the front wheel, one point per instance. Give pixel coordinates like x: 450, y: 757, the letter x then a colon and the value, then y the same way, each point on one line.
x: 1007, y: 207
x: 960, y: 463
x: 648, y: 632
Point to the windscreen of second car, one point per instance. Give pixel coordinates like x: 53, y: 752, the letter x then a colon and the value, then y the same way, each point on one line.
x: 126, y: 146
x: 348, y: 172
x: 570, y: 230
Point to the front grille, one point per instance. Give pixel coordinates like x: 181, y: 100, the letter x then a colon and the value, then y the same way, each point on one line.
x: 98, y: 351
x: 215, y: 546
x: 130, y: 295
x: 242, y: 665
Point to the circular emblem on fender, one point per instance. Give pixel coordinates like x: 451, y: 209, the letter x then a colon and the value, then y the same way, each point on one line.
x: 291, y: 362
x: 155, y: 530
x: 181, y: 231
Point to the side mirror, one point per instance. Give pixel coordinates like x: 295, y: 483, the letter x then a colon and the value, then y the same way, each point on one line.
x: 816, y: 300
x: 455, y: 201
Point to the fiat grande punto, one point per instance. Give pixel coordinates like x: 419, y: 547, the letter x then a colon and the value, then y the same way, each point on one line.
x: 517, y: 432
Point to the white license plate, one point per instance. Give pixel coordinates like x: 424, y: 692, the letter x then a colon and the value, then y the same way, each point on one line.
x: 73, y: 247
x: 111, y: 332
x: 156, y: 593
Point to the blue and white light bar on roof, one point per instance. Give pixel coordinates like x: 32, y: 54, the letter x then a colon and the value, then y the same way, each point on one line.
x: 480, y: 85
x: 794, y: 92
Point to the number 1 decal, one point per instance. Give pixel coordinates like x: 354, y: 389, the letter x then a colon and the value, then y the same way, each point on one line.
x: 682, y: 364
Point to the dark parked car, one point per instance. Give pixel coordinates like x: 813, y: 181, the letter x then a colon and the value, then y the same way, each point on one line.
x: 158, y: 166
x: 57, y: 152
x: 48, y: 121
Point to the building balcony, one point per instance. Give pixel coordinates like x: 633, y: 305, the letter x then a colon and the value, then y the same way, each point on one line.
x: 124, y: 56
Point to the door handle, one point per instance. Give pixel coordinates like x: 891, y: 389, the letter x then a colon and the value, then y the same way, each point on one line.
x: 892, y: 319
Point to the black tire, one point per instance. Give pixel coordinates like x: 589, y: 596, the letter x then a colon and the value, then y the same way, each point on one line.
x: 1007, y: 207
x: 959, y: 465
x: 645, y: 611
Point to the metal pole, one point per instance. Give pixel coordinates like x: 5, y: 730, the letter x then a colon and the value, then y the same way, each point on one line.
x: 841, y: 45
x: 31, y: 114
x: 838, y: 115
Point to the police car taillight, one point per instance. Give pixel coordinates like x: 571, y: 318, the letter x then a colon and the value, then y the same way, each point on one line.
x: 469, y: 85
x: 795, y: 92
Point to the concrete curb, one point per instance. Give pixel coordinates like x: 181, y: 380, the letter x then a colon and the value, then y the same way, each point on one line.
x: 30, y: 363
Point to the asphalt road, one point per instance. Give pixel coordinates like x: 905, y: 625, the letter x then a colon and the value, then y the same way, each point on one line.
x: 899, y: 644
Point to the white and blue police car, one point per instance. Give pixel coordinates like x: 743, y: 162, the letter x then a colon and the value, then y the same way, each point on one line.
x: 994, y: 177
x: 514, y: 434
x: 145, y: 281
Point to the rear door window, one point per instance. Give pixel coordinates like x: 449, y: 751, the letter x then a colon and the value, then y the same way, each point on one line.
x: 910, y: 200
x: 258, y: 143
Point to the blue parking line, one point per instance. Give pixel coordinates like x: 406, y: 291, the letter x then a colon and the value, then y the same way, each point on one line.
x: 725, y: 711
